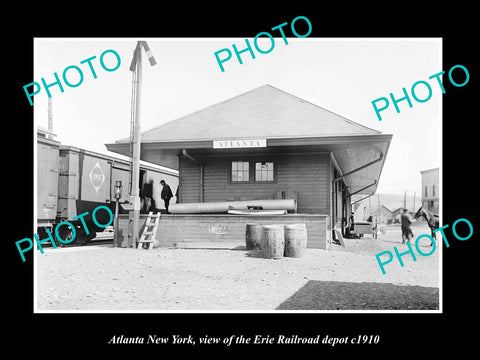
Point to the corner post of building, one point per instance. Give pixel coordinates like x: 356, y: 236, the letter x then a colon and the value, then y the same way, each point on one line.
x: 346, y: 206
x: 202, y: 171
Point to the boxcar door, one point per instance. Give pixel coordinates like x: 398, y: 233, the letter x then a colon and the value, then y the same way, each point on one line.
x: 47, y: 183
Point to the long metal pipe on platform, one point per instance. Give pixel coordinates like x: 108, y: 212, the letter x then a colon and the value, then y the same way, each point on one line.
x: 221, y: 207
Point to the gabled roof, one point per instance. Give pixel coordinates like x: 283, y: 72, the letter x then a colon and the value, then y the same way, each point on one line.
x: 264, y: 112
x: 280, y: 118
x: 386, y: 208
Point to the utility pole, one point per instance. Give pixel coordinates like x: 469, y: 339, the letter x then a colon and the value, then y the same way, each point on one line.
x: 369, y: 206
x: 136, y: 68
x: 414, y: 193
x: 50, y: 118
x: 379, y: 212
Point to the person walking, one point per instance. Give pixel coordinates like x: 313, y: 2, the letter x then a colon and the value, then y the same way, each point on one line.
x: 166, y: 194
x: 406, y: 221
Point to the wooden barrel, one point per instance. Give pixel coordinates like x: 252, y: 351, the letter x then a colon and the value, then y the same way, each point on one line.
x: 295, y: 240
x: 273, y: 242
x: 253, y: 236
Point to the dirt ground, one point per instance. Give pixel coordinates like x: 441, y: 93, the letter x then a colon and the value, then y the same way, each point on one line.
x: 110, y: 279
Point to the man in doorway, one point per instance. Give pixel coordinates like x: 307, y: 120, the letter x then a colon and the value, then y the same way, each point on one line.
x: 149, y: 201
x: 166, y: 194
x: 406, y: 221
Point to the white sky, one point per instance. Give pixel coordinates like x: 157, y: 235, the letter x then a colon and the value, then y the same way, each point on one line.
x: 338, y: 74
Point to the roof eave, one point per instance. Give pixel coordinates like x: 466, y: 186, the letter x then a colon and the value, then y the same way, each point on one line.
x: 207, y: 144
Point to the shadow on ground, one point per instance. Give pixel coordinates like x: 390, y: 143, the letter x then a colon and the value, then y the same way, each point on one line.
x: 334, y: 295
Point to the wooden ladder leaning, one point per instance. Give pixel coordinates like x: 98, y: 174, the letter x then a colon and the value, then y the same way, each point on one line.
x: 150, y: 231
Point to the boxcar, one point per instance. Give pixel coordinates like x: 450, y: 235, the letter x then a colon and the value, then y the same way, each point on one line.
x: 47, y: 179
x: 80, y: 181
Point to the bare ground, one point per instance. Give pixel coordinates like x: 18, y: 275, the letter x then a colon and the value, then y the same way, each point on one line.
x: 108, y: 279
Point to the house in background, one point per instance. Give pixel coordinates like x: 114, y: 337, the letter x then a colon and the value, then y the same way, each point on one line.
x: 396, y: 214
x: 362, y: 212
x: 383, y: 214
x: 430, y: 190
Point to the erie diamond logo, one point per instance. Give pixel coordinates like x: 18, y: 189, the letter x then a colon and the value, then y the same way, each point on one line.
x: 97, y: 177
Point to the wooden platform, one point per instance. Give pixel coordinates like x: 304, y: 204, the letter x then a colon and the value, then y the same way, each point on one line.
x: 226, y: 231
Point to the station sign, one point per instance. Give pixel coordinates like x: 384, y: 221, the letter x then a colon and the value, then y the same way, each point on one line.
x: 242, y: 143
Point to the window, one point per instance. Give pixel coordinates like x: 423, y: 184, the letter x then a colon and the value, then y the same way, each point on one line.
x: 264, y: 171
x: 433, y: 190
x: 240, y: 171
x: 426, y: 193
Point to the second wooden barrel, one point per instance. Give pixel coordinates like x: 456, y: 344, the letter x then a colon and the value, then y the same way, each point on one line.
x: 295, y: 240
x: 253, y: 236
x: 273, y: 242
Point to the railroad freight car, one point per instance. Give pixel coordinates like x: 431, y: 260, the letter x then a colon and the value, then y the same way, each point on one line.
x: 47, y: 175
x: 81, y: 181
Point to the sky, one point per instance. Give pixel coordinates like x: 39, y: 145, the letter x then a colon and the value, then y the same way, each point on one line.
x: 343, y: 75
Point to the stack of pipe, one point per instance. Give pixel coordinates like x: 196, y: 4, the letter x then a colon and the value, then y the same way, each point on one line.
x: 222, y: 207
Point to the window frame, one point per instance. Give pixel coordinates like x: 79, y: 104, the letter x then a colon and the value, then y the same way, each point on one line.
x: 231, y: 172
x: 251, y: 170
x: 274, y: 175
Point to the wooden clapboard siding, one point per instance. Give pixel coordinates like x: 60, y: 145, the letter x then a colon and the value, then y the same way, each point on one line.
x: 225, y: 231
x: 189, y: 181
x: 305, y: 173
x: 229, y: 230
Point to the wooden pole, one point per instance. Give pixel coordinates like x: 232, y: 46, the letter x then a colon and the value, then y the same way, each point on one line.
x: 50, y: 118
x: 369, y: 207
x: 115, y: 228
x: 134, y: 215
x: 414, y: 193
x: 378, y: 209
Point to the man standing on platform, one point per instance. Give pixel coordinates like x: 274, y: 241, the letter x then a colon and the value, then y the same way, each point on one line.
x: 166, y: 194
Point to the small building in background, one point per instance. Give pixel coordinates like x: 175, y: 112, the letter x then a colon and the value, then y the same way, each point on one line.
x: 383, y: 214
x: 362, y: 212
x: 396, y: 214
x: 430, y: 190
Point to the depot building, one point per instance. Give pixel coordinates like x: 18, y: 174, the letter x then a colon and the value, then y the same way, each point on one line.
x: 263, y: 145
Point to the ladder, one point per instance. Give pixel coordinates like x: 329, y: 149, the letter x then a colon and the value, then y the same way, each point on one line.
x: 150, y: 231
